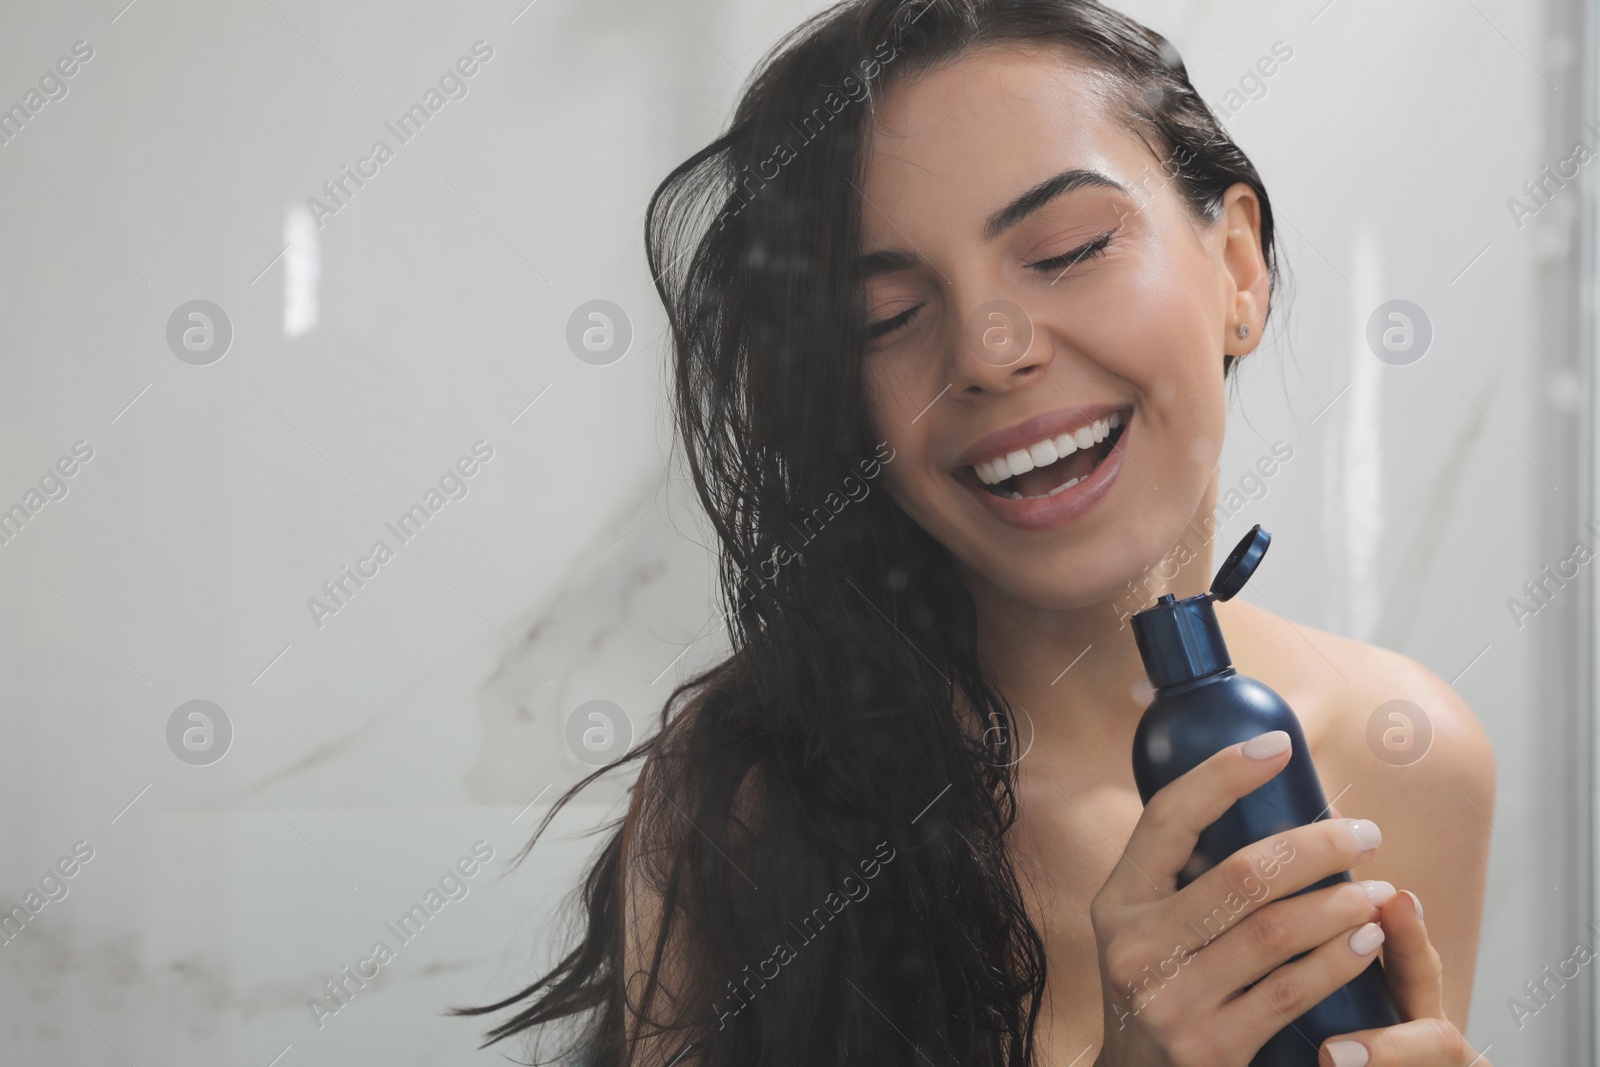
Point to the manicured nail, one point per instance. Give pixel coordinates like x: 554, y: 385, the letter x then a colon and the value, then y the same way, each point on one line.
x: 1267, y: 745
x: 1348, y: 1053
x: 1366, y: 833
x: 1365, y: 940
x: 1415, y: 901
x: 1378, y: 891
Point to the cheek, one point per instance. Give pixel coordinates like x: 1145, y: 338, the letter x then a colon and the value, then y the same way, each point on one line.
x: 910, y: 480
x: 893, y: 484
x: 886, y: 403
x: 1160, y: 329
x: 889, y: 398
x: 1163, y: 334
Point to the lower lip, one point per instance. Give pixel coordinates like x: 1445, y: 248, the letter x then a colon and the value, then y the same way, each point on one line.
x: 1067, y: 505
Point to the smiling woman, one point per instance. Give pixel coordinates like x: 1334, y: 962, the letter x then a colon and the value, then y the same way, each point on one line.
x: 1004, y: 161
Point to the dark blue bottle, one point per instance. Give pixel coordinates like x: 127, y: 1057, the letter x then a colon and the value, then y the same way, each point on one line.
x: 1203, y: 705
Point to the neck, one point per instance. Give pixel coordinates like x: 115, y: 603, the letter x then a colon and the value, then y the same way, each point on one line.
x: 1074, y: 677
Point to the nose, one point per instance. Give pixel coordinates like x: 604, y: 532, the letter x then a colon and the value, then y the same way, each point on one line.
x: 999, y: 349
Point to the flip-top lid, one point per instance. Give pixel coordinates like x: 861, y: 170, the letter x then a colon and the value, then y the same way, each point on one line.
x: 1241, y: 563
x: 1180, y: 640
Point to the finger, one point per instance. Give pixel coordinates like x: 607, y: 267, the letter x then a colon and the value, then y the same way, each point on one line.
x: 1283, y: 930
x: 1276, y: 867
x: 1410, y: 962
x: 1166, y: 833
x: 1296, y: 987
x: 1333, y: 812
x: 1432, y: 1041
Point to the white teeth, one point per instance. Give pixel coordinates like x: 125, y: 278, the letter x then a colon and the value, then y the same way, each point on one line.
x: 1064, y: 485
x: 1046, y: 452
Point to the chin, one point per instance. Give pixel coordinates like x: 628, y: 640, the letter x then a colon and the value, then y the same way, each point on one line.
x: 1072, y: 578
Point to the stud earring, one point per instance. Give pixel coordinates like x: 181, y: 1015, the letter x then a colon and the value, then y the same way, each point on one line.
x: 1244, y: 329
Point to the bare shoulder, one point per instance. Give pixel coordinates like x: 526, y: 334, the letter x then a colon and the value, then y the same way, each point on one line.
x: 1365, y: 707
x: 1393, y: 743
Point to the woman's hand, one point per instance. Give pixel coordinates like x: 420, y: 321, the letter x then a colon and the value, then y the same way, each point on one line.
x: 1174, y: 964
x: 1416, y: 981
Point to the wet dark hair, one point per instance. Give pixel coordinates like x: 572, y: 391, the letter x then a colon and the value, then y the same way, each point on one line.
x: 819, y: 819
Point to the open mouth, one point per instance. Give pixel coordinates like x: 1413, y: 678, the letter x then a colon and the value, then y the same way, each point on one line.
x: 1051, y: 465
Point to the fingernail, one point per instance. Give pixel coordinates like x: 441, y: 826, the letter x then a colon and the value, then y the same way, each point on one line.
x: 1378, y: 891
x: 1267, y: 745
x: 1347, y: 1053
x: 1415, y: 901
x: 1366, y: 833
x: 1365, y: 940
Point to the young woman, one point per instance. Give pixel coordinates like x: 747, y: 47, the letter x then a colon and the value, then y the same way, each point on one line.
x: 953, y: 304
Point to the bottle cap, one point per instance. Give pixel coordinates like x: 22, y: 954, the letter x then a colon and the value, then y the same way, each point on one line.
x: 1241, y: 563
x: 1180, y: 640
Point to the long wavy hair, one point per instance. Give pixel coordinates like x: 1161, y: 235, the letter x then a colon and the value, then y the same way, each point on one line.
x: 819, y: 827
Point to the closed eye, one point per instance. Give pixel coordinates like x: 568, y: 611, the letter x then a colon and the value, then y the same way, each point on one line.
x: 1057, y: 265
x: 878, y: 329
x: 1065, y: 261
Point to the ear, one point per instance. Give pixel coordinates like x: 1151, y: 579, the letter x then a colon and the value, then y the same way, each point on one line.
x: 1247, y: 286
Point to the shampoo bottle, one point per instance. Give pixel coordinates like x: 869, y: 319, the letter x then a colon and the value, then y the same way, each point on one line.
x: 1201, y: 706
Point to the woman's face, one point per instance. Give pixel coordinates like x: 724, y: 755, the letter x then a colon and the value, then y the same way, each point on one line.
x: 1079, y: 334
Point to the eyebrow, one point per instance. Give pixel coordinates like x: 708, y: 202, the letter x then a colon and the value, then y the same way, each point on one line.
x: 1042, y: 194
x: 886, y: 261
